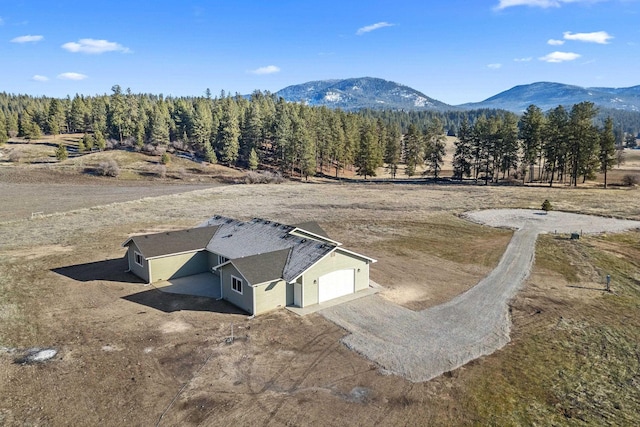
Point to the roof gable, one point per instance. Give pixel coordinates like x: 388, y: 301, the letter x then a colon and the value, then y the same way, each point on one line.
x: 262, y: 267
x: 173, y: 242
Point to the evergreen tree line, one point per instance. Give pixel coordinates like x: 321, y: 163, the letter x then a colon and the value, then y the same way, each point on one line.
x: 234, y: 130
x: 561, y: 145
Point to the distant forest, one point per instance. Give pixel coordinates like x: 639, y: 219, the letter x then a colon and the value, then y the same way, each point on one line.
x: 265, y: 131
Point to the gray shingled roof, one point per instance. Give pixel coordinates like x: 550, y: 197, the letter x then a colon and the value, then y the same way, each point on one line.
x: 173, y: 242
x: 263, y: 267
x: 236, y: 239
x: 313, y: 227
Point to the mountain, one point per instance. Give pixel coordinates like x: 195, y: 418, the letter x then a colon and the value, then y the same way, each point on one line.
x: 548, y: 95
x: 360, y: 93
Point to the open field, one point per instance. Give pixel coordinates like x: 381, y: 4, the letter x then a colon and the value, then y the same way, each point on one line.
x: 128, y: 354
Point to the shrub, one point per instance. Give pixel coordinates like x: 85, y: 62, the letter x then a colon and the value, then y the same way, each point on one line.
x: 546, y: 205
x: 15, y: 156
x: 61, y: 152
x: 161, y: 171
x: 630, y: 180
x: 108, y: 168
x: 165, y: 159
x: 264, y: 177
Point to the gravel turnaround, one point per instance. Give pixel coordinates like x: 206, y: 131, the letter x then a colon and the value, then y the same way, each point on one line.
x: 421, y: 345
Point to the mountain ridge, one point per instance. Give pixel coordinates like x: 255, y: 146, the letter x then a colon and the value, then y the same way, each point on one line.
x: 359, y: 93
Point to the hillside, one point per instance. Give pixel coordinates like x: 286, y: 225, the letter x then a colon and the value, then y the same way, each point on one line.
x: 361, y: 93
x: 547, y: 95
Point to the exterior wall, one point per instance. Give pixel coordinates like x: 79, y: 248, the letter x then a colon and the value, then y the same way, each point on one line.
x: 174, y: 266
x: 244, y: 301
x: 332, y: 262
x: 270, y: 295
x: 141, y: 272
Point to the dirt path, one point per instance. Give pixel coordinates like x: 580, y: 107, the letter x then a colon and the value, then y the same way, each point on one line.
x: 423, y: 345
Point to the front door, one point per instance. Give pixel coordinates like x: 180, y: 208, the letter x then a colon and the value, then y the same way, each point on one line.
x: 297, y: 294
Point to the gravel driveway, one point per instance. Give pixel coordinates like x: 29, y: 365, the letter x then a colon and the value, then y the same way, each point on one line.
x: 425, y: 344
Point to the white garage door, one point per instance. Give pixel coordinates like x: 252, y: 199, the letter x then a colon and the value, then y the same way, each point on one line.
x: 336, y: 284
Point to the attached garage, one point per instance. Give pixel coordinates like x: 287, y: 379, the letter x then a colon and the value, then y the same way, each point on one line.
x: 336, y: 284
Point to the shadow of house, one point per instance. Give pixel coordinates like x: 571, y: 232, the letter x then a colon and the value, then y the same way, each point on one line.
x: 170, y: 303
x: 111, y: 270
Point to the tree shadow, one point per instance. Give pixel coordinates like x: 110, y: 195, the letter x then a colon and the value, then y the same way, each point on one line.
x: 169, y: 303
x: 111, y: 270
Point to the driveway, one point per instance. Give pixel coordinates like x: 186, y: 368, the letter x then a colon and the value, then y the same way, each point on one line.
x: 423, y: 345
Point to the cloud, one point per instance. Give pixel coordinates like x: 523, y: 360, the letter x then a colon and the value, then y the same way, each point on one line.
x: 494, y: 66
x: 555, y: 42
x: 527, y: 59
x: 269, y: 69
x: 373, y: 27
x: 72, y: 76
x: 560, y: 57
x: 503, y: 4
x: 27, y: 39
x: 39, y: 78
x: 93, y: 46
x: 600, y: 37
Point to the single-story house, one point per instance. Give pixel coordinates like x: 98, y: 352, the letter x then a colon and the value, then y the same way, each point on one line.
x: 260, y: 265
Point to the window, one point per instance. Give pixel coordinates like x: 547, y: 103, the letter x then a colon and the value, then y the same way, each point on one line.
x: 236, y: 284
x: 221, y: 259
x: 137, y: 258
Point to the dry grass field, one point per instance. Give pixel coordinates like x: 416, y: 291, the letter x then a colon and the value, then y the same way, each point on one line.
x: 131, y: 355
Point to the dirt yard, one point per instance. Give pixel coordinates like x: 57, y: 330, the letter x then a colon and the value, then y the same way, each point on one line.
x: 128, y: 354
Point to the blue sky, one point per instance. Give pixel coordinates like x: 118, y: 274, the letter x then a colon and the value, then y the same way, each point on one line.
x: 454, y: 51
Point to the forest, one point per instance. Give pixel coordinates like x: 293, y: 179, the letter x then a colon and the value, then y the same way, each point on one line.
x: 262, y: 130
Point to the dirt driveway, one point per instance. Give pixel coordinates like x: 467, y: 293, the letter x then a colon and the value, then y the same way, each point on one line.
x: 421, y: 345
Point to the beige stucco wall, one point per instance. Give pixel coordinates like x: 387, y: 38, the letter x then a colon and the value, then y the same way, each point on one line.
x: 244, y: 300
x: 270, y: 295
x: 141, y: 272
x: 174, y: 266
x: 334, y: 261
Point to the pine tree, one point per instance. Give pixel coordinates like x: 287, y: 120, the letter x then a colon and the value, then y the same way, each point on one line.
x: 229, y: 133
x: 607, y: 153
x: 209, y: 153
x: 413, y: 150
x: 462, y: 156
x: 369, y: 156
x: 435, y: 147
x: 532, y: 125
x: 253, y: 160
x: 4, y: 135
x: 61, y: 152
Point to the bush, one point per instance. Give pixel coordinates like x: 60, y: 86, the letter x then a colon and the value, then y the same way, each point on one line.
x: 165, y: 159
x: 264, y: 177
x: 630, y: 180
x: 61, y: 152
x: 108, y: 168
x: 546, y: 206
x: 161, y: 171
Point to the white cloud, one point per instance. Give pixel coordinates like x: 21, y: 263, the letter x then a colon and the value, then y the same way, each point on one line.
x: 27, y: 39
x: 269, y: 69
x: 600, y: 37
x: 372, y: 27
x: 39, y: 78
x: 72, y: 76
x: 494, y: 66
x: 527, y: 59
x: 94, y: 46
x: 555, y: 42
x: 560, y: 57
x: 503, y: 4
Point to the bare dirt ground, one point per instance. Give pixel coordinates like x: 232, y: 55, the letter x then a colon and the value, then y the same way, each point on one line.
x: 129, y: 354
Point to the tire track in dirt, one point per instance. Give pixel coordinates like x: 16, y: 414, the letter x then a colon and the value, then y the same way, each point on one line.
x: 423, y: 345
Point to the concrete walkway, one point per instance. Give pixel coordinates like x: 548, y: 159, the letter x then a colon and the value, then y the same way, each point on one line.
x: 423, y: 345
x: 202, y: 285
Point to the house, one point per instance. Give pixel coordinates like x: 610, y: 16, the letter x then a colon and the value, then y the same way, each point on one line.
x: 259, y: 265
